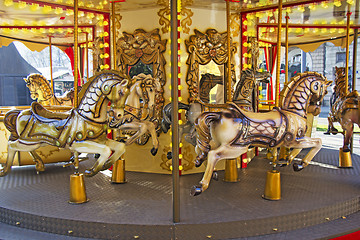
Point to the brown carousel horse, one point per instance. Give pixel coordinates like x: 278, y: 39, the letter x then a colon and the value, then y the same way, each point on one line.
x: 139, y: 112
x: 40, y: 90
x: 345, y: 109
x: 81, y: 130
x: 233, y: 130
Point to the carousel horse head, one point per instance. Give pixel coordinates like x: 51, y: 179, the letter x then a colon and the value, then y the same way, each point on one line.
x: 39, y: 87
x: 245, y: 91
x: 146, y: 88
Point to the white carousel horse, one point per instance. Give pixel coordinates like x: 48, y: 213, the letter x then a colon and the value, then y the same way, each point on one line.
x: 82, y: 130
x: 233, y: 130
x: 139, y: 111
x: 244, y: 96
x: 40, y: 90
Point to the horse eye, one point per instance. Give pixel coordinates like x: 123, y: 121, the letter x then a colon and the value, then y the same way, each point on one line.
x: 121, y: 93
x: 151, y: 89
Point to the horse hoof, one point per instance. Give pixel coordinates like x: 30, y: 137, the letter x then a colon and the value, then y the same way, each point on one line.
x: 327, y: 133
x: 198, y: 163
x: 196, y: 190
x: 90, y: 173
x: 215, y: 176
x: 169, y: 155
x: 154, y: 151
x: 96, y: 155
x: 298, y: 167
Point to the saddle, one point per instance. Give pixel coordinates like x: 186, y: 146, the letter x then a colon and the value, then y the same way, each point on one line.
x: 43, y: 115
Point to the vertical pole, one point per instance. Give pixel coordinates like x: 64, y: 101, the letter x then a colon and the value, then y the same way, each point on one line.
x: 356, y: 35
x: 87, y: 56
x: 287, y: 48
x: 228, y: 84
x: 76, y: 75
x: 278, y: 55
x: 347, y: 50
x: 51, y: 72
x: 113, y: 30
x: 175, y: 105
x: 241, y: 41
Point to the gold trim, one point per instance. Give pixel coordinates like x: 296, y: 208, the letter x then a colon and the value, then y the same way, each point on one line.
x: 203, y: 48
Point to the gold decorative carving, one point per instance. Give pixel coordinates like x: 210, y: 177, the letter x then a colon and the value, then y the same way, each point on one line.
x: 203, y: 48
x: 149, y: 48
x: 234, y: 24
x: 186, y: 162
x: 165, y: 162
x: 164, y: 14
x: 118, y: 18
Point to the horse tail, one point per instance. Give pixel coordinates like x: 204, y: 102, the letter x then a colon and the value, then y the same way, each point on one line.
x: 10, y: 123
x: 203, y: 138
x: 166, y: 121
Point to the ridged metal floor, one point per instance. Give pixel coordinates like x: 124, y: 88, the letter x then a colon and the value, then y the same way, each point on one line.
x: 313, y: 199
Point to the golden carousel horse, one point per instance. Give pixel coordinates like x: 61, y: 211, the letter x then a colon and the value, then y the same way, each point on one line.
x: 345, y: 109
x: 232, y: 130
x: 40, y: 90
x: 138, y: 116
x: 81, y: 130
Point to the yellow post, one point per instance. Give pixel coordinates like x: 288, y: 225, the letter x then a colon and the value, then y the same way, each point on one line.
x: 51, y: 72
x: 231, y: 171
x: 118, y: 172
x: 287, y: 48
x: 344, y: 159
x: 87, y: 56
x: 229, y: 87
x: 278, y: 55
x: 272, y: 186
x: 113, y: 30
x: 77, y: 182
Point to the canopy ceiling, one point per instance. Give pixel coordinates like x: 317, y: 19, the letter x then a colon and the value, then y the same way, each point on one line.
x: 41, y: 18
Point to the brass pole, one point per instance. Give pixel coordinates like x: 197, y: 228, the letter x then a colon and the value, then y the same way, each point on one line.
x: 51, y: 72
x: 76, y: 53
x: 347, y: 50
x: 278, y: 55
x: 113, y: 30
x: 228, y: 84
x: 175, y: 107
x: 287, y: 48
x: 241, y: 43
x: 87, y: 56
x: 356, y: 35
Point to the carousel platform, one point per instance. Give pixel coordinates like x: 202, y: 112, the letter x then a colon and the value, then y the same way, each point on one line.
x: 322, y: 201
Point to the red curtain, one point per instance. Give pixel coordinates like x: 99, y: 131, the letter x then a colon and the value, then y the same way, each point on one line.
x: 270, y: 52
x: 69, y: 51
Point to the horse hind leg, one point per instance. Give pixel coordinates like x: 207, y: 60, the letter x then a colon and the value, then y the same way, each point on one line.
x: 9, y: 161
x: 39, y: 164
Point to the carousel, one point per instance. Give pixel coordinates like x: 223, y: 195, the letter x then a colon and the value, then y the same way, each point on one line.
x: 131, y: 148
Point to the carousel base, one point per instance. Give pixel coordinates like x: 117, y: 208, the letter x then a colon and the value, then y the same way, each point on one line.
x: 319, y: 202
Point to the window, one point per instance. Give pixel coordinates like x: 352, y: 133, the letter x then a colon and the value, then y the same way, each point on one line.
x: 340, y: 57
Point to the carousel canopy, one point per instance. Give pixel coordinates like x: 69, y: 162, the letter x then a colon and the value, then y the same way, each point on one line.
x: 310, y: 22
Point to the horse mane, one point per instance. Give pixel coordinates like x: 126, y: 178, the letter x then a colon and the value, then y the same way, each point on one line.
x: 42, y: 82
x: 340, y: 88
x: 93, y: 86
x: 297, y: 88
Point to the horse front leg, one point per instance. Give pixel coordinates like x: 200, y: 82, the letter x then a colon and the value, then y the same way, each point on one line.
x: 93, y: 147
x: 118, y: 149
x: 223, y: 152
x: 305, y: 142
x: 150, y: 126
x: 331, y: 128
x: 348, y: 129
